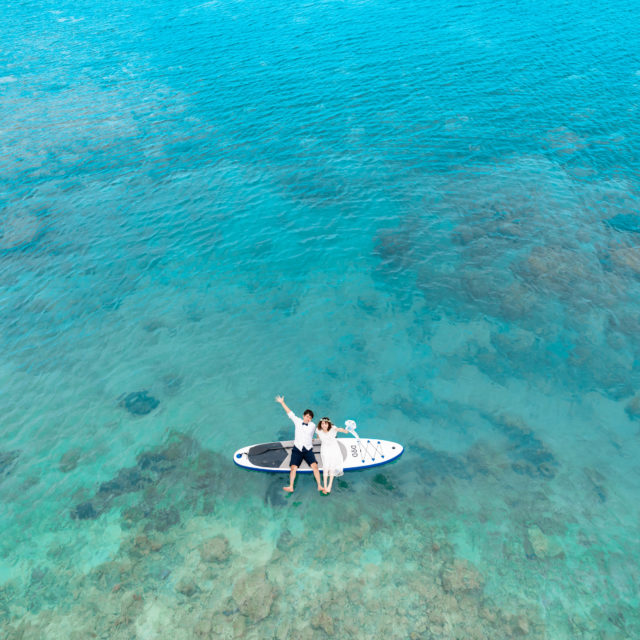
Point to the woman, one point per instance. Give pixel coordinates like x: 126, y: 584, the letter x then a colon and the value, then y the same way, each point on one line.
x: 330, y: 452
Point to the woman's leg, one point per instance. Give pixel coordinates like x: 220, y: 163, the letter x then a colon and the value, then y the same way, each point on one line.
x: 330, y: 481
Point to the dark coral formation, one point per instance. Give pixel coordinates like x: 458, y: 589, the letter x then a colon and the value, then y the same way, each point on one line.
x: 625, y: 222
x: 126, y: 481
x: 254, y: 594
x: 8, y: 460
x: 156, y: 472
x: 412, y: 407
x: 528, y: 454
x: 274, y: 496
x: 633, y: 407
x: 525, y: 453
x: 215, y: 550
x: 597, y: 484
x: 69, y: 460
x: 85, y: 511
x: 439, y: 465
x: 381, y: 481
x: 216, y: 583
x: 139, y: 403
x: 163, y: 519
x: 20, y: 230
x: 172, y: 383
x: 510, y: 260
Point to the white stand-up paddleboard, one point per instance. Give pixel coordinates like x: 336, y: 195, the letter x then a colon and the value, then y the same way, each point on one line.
x: 357, y: 453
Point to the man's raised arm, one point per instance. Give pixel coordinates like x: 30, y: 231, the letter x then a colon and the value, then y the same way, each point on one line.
x: 280, y: 401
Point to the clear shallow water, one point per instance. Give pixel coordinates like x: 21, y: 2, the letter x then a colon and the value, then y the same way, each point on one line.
x: 423, y: 218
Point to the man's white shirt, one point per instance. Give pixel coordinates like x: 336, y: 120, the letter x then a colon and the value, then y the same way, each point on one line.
x: 304, y: 433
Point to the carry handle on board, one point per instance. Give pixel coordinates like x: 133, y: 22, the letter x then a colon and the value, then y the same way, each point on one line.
x: 351, y: 428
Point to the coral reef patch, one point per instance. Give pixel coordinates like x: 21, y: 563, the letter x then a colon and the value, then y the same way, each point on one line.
x: 274, y: 496
x: 8, y: 460
x: 529, y: 455
x: 189, y: 568
x: 18, y: 230
x: 69, y: 460
x: 158, y: 467
x: 139, y: 403
x: 625, y: 222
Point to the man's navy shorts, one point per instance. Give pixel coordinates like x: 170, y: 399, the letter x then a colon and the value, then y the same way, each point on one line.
x: 298, y: 456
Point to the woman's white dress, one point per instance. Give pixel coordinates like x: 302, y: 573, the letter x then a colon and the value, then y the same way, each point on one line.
x: 330, y: 452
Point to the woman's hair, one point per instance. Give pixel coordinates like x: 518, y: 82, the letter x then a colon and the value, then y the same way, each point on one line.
x: 325, y: 419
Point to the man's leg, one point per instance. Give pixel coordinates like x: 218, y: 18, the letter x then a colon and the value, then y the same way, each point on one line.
x: 316, y: 475
x: 294, y: 463
x: 292, y: 477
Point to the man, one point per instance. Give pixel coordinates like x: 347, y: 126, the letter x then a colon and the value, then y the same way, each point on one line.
x: 302, y: 445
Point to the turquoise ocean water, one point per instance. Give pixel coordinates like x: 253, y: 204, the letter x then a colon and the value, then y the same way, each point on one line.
x: 422, y: 216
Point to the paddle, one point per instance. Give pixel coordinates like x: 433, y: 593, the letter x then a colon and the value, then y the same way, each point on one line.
x: 351, y: 428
